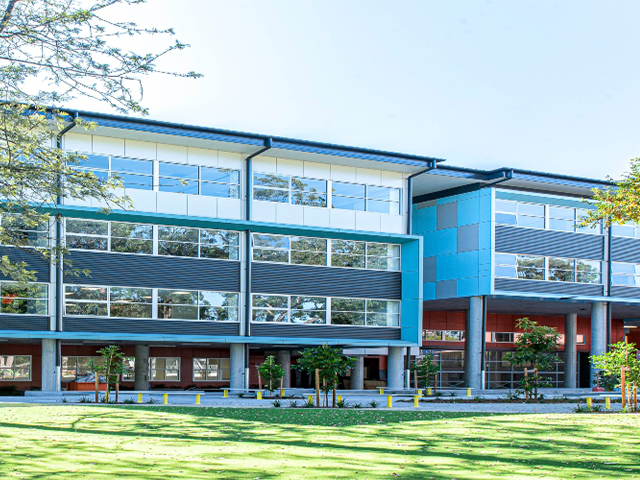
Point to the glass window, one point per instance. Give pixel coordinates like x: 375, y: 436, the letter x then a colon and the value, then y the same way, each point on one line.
x: 588, y: 271
x: 383, y: 313
x: 220, y: 175
x: 308, y: 251
x: 86, y: 300
x: 348, y: 196
x: 309, y: 310
x: 270, y: 308
x: 15, y: 367
x: 211, y: 369
x: 625, y: 274
x: 197, y: 305
x: 178, y: 241
x: 561, y: 269
x: 305, y: 191
x: 74, y: 367
x: 347, y: 253
x: 32, y: 232
x: 133, y: 173
x: 530, y: 267
x: 30, y: 299
x: 131, y: 238
x: 87, y: 234
x: 348, y: 311
x: 502, y: 337
x: 432, y: 335
x: 164, y: 369
x: 383, y: 200
x: 383, y: 256
x: 624, y: 230
x: 271, y: 248
x: 271, y: 188
x: 130, y: 302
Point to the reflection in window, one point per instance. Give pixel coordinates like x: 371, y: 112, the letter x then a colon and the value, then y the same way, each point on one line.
x: 15, y: 367
x: 556, y: 269
x: 531, y: 215
x: 211, y: 369
x: 166, y: 369
x: 198, y: 305
x: 22, y: 232
x: 30, y: 299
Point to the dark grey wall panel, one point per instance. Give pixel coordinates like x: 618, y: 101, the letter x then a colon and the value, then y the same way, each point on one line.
x: 155, y: 271
x: 625, y: 249
x: 24, y: 322
x: 447, y: 215
x: 34, y: 260
x: 325, y: 281
x: 556, y: 288
x: 625, y: 292
x: 324, y: 331
x: 137, y: 325
x: 549, y: 242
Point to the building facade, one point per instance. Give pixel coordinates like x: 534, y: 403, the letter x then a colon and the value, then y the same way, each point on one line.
x: 240, y: 246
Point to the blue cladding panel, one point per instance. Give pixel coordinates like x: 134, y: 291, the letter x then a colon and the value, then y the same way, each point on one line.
x: 468, y: 211
x: 446, y: 267
x: 447, y: 241
x: 468, y: 287
x: 411, y: 304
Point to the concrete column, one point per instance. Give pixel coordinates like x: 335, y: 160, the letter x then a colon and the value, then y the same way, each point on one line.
x: 570, y: 349
x: 357, y: 374
x: 284, y: 360
x: 473, y: 344
x: 141, y: 367
x: 598, y: 332
x: 237, y: 366
x: 395, y: 368
x: 50, y: 374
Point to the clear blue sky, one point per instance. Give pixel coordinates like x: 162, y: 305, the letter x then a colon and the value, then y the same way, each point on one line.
x: 542, y: 85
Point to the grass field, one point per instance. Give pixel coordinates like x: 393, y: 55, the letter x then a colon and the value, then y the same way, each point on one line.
x: 178, y: 442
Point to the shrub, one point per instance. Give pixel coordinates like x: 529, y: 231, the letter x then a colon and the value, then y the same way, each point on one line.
x: 152, y: 400
x: 129, y: 400
x: 84, y: 399
x: 342, y: 403
x: 357, y: 405
x: 374, y: 404
x: 308, y: 403
x: 277, y: 403
x: 293, y: 404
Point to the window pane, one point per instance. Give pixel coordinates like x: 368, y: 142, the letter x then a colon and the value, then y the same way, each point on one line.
x: 309, y: 244
x: 77, y: 292
x: 531, y: 273
x: 308, y: 185
x: 347, y: 318
x: 506, y: 219
x: 86, y: 309
x: 530, y: 261
x: 219, y: 237
x: 531, y: 222
x: 510, y: 272
x: 131, y: 245
x: 131, y: 310
x: 559, y: 212
x: 183, y: 312
x: 453, y: 336
x: 178, y: 234
x: 380, y: 206
x: 353, y: 261
x: 623, y: 267
x: 132, y: 230
x: 176, y: 170
x: 176, y: 185
x: 86, y: 243
x: 270, y: 180
x: 506, y: 259
x: 308, y: 258
x: 271, y: 241
x: 384, y: 193
x: 316, y: 317
x: 122, y: 294
x: 265, y: 255
x: 274, y: 315
x: 348, y: 189
x: 95, y: 161
x: 346, y: 246
x: 623, y: 230
x: 529, y: 209
x: 178, y: 249
x: 308, y: 303
x: 347, y: 203
x: 222, y: 175
x: 383, y: 263
x: 219, y: 314
x: 224, y: 253
x: 270, y: 301
x: 506, y: 206
x: 87, y: 227
x: 24, y: 306
x: 127, y: 165
x: 382, y: 320
x: 269, y: 195
x: 432, y: 335
x: 178, y: 297
x: 382, y: 306
x: 565, y: 225
x: 309, y: 199
x: 219, y: 190
x: 136, y: 181
x: 383, y: 249
x: 347, y: 304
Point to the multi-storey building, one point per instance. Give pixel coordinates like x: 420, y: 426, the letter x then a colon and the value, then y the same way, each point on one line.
x: 240, y: 246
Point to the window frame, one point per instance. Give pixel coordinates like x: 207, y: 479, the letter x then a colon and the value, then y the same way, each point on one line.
x: 46, y: 299
x: 546, y: 268
x: 223, y: 377
x: 153, y: 369
x: 15, y: 367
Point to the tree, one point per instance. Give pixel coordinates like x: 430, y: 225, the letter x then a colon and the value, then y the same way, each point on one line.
x: 619, y: 203
x: 52, y: 51
x: 621, y: 355
x: 327, y: 364
x: 112, y: 364
x: 426, y: 370
x: 534, y: 347
x: 270, y: 372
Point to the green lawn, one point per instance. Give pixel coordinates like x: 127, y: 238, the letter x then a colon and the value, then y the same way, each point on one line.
x: 68, y: 441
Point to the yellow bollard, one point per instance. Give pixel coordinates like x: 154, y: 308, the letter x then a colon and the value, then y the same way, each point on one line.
x: 339, y: 398
x: 420, y: 392
x: 382, y: 391
x: 389, y: 401
x: 416, y: 401
x: 589, y: 402
x: 165, y: 398
x: 428, y: 391
x: 607, y: 403
x: 259, y: 395
x: 139, y: 398
x: 197, y: 399
x: 226, y: 394
x: 309, y: 398
x: 468, y: 392
x: 282, y: 392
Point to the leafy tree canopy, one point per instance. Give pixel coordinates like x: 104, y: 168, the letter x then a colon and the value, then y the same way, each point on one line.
x: 52, y: 51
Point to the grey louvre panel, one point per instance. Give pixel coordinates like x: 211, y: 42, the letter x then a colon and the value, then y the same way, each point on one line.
x: 137, y: 325
x: 325, y: 281
x: 625, y: 250
x: 625, y: 292
x: 549, y: 242
x: 556, y: 288
x: 155, y: 271
x: 324, y: 331
x: 35, y: 261
x: 24, y: 322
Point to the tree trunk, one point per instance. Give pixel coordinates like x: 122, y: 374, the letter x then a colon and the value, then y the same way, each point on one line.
x: 317, y: 387
x: 117, y: 389
x: 97, y: 387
